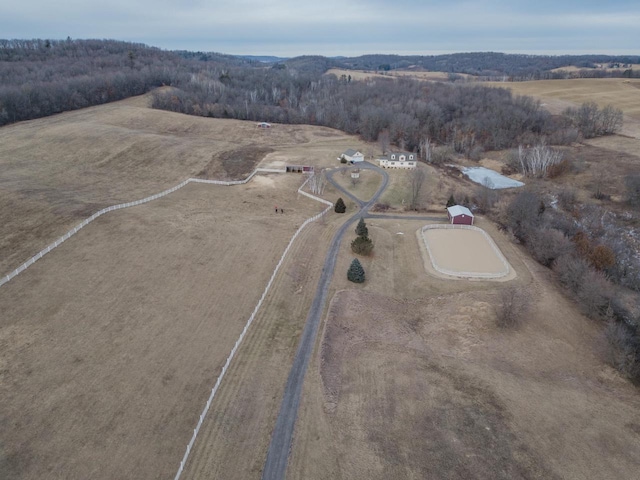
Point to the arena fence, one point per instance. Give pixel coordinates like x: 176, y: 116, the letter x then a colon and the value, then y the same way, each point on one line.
x: 455, y: 273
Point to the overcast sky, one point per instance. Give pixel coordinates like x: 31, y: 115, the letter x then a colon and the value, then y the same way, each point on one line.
x: 337, y: 27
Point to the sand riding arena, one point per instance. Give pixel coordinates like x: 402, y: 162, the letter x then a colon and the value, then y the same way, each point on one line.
x: 463, y: 251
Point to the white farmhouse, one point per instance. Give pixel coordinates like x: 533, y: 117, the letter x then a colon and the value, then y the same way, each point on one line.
x: 352, y: 155
x: 398, y: 160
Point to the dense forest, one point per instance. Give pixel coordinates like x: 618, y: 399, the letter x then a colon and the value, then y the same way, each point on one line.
x: 44, y: 77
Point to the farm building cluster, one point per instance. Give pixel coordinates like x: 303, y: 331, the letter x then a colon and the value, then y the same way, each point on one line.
x: 404, y: 160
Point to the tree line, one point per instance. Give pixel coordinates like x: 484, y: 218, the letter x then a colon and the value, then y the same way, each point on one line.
x: 43, y: 77
x: 410, y: 113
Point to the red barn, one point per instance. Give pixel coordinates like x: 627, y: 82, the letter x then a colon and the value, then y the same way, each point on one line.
x: 459, y: 215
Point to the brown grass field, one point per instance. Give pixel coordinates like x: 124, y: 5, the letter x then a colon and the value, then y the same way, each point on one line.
x: 57, y: 171
x: 109, y: 346
x: 411, y: 379
x: 416, y: 75
x: 557, y: 95
x: 111, y: 343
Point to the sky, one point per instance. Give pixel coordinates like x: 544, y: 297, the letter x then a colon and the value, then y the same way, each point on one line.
x: 289, y: 28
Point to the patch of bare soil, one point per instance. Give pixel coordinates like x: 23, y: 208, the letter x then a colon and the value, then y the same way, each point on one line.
x: 237, y: 163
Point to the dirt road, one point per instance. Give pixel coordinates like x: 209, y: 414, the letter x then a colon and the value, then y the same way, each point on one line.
x: 277, y: 457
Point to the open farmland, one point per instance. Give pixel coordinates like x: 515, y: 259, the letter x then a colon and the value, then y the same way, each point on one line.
x: 59, y: 170
x: 111, y: 343
x: 411, y: 379
x: 415, y: 75
x: 557, y: 95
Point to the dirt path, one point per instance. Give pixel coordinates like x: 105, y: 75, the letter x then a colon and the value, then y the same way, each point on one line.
x: 278, y: 455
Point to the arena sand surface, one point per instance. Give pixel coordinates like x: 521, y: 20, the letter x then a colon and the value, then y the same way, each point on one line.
x: 462, y: 251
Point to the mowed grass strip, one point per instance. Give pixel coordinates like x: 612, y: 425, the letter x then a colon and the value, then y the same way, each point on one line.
x: 110, y: 344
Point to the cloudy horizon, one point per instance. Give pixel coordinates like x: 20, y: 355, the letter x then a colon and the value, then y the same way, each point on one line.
x: 348, y: 28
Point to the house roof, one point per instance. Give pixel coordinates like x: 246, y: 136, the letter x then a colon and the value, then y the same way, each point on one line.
x: 457, y: 210
x: 351, y: 152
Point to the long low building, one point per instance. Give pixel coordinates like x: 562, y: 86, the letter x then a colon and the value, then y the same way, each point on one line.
x: 398, y: 160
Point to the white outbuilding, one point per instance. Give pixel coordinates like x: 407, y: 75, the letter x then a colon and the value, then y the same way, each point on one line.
x: 352, y: 155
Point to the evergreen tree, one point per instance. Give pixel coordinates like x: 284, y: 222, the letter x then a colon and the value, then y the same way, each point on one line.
x: 340, y: 206
x: 361, y: 229
x: 451, y: 202
x: 356, y: 272
x: 362, y: 246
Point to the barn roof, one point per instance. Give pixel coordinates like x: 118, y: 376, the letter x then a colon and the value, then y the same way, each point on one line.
x: 459, y: 210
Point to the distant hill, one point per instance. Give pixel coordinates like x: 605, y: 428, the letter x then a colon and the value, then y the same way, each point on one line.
x: 263, y: 58
x: 489, y: 64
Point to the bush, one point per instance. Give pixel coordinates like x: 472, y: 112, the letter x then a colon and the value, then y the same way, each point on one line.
x: 571, y: 270
x: 361, y: 229
x: 356, y: 272
x: 547, y: 244
x: 340, y: 207
x: 362, y: 246
x: 633, y: 189
x: 452, y: 201
x: 624, y: 349
x: 512, y: 307
x: 602, y: 258
x: 343, y: 160
x: 567, y: 198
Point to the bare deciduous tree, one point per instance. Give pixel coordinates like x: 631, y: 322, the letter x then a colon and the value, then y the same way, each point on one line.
x: 536, y: 161
x: 512, y: 307
x: 418, y: 177
x: 318, y: 182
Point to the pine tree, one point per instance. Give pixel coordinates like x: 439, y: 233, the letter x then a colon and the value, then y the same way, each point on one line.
x: 362, y: 246
x: 356, y: 272
x: 451, y: 202
x: 340, y: 206
x: 361, y: 229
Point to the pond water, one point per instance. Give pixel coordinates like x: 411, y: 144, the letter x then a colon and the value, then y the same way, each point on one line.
x: 490, y: 178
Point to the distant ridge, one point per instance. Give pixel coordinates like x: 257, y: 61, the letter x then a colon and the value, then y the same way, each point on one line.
x: 263, y: 58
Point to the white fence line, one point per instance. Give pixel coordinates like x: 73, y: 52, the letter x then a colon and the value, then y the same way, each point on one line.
x: 454, y: 273
x: 112, y: 208
x: 103, y: 211
x: 183, y: 462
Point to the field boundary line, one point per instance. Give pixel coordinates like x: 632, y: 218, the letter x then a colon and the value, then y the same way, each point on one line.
x: 119, y: 206
x: 453, y: 273
x: 196, y: 430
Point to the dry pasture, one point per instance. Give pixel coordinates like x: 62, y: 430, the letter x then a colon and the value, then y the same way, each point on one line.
x: 415, y: 75
x: 412, y: 379
x: 109, y: 346
x: 557, y: 95
x: 59, y: 170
